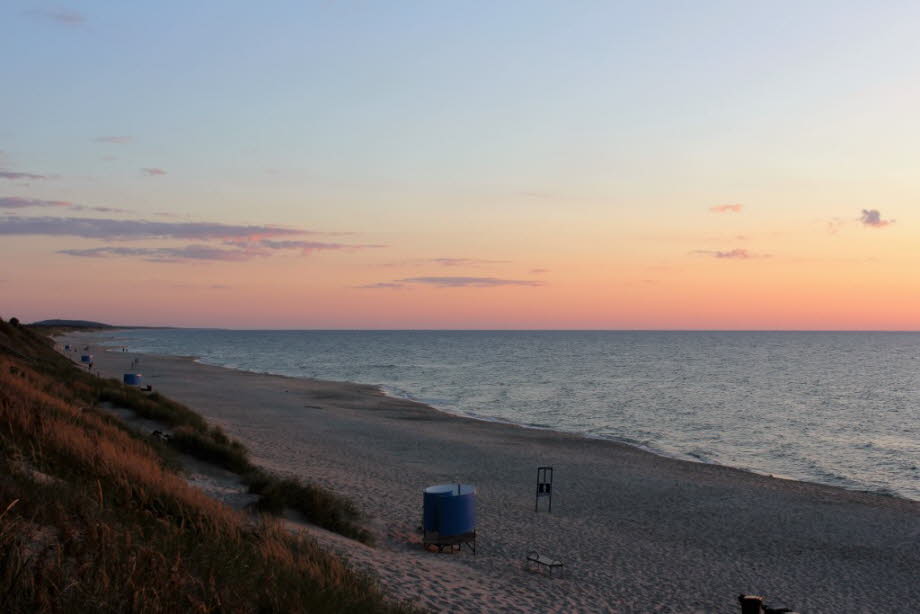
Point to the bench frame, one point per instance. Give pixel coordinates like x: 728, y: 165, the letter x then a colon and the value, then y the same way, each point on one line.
x: 544, y: 561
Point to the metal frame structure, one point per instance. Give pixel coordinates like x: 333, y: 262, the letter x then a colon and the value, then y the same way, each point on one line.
x: 452, y: 542
x: 544, y: 488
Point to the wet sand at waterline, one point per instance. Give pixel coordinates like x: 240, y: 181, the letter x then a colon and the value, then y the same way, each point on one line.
x: 637, y: 532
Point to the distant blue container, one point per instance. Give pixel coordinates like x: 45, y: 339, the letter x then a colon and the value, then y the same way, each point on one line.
x: 86, y: 358
x: 430, y: 498
x: 449, y: 509
x: 132, y: 379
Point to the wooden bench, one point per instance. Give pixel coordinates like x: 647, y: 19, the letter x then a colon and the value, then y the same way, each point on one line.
x: 544, y: 561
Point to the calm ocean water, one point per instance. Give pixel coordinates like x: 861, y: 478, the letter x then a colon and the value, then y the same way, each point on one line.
x: 834, y: 408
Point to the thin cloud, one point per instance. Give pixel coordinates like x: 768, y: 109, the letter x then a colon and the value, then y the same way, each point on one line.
x: 121, y: 230
x: 15, y: 175
x: 538, y: 271
x: 873, y: 219
x: 392, y: 285
x: 240, y: 251
x: 448, y: 262
x: 115, y: 140
x: 735, y: 208
x: 308, y: 247
x: 100, y: 209
x: 731, y: 254
x: 164, y: 254
x: 468, y: 282
x: 16, y: 202
x: 184, y: 285
x: 153, y: 172
x: 451, y: 262
x: 61, y: 16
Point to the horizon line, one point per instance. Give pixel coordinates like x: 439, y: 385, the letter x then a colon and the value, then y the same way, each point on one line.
x: 531, y: 330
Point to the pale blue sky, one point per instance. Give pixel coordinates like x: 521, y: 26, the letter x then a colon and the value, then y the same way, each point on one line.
x: 583, y: 96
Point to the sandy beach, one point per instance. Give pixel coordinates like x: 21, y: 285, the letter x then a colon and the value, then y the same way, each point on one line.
x: 637, y: 532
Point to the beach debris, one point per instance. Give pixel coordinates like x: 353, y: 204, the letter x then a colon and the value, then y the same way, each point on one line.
x: 449, y: 517
x: 753, y: 604
x: 132, y: 379
x: 544, y: 488
x: 543, y: 561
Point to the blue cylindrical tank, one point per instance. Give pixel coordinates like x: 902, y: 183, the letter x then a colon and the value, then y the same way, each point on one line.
x: 86, y: 358
x: 449, y: 509
x: 132, y: 379
x: 457, y: 514
x: 430, y: 498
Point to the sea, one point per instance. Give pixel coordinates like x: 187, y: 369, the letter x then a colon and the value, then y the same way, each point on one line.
x: 838, y: 408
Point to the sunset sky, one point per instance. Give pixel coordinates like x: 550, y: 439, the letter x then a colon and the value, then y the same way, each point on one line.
x: 435, y: 164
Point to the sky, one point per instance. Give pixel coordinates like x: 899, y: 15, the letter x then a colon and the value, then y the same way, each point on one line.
x: 462, y: 165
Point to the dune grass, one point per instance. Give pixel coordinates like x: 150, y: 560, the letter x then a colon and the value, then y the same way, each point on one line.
x: 318, y: 505
x: 92, y: 519
x: 193, y: 436
x: 153, y: 406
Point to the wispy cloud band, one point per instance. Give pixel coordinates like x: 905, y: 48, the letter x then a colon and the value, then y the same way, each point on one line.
x: 730, y: 254
x: 734, y: 208
x: 60, y: 16
x: 4, y: 174
x: 448, y: 262
x: 163, y: 254
x: 17, y: 202
x: 121, y: 230
x: 237, y: 252
x: 455, y: 282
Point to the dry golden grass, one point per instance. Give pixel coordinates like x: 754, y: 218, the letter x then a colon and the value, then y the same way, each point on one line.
x: 83, y: 442
x: 112, y: 529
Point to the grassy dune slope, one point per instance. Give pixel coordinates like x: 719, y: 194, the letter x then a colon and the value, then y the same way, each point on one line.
x: 92, y: 518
